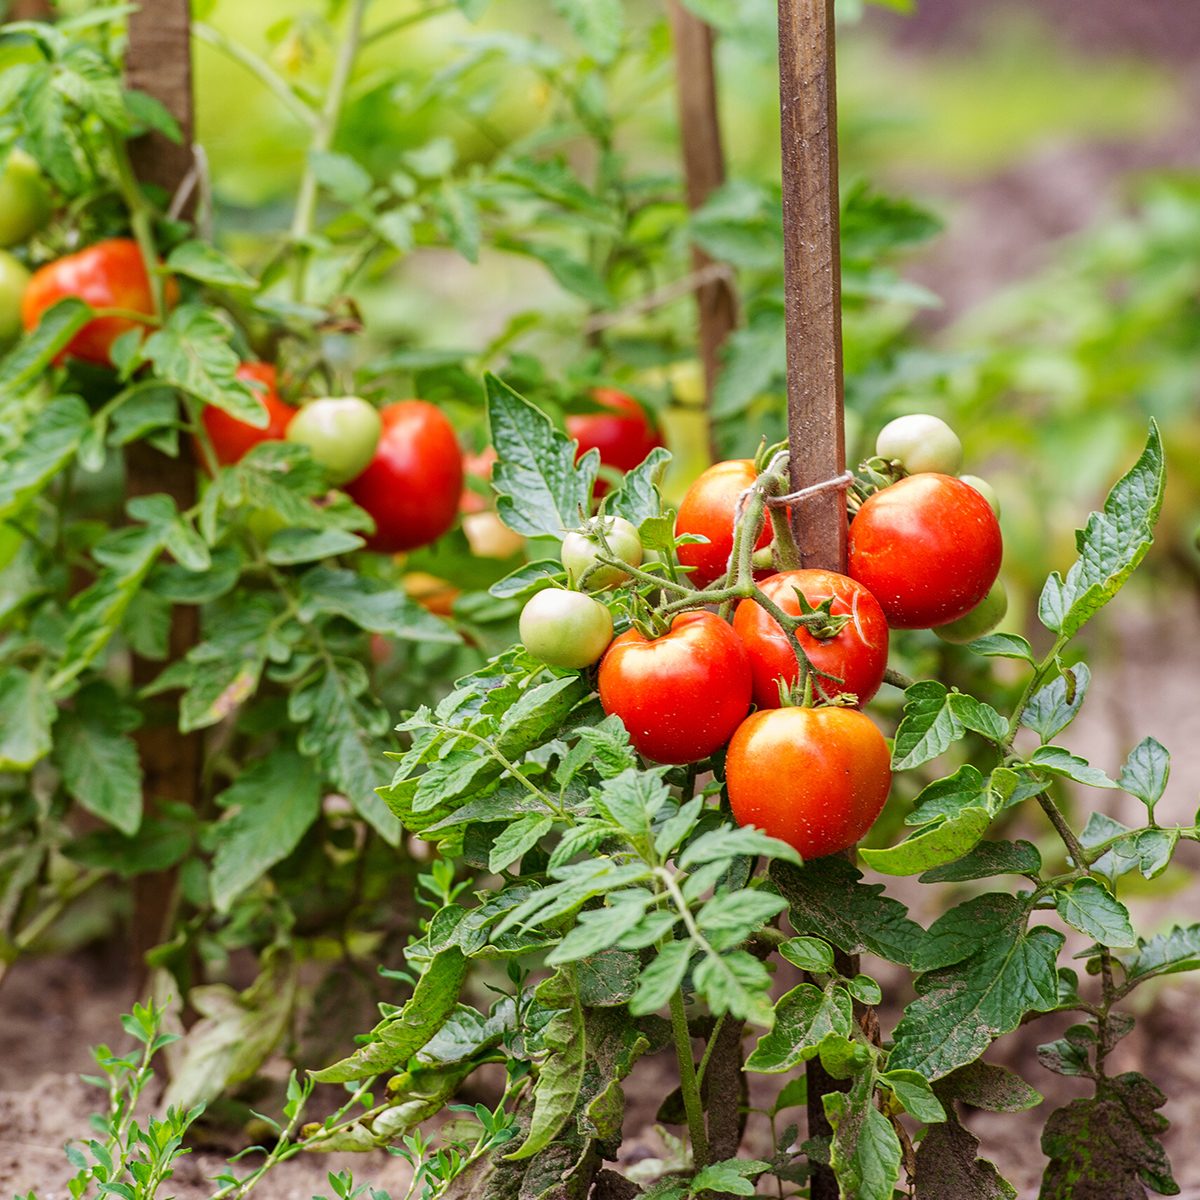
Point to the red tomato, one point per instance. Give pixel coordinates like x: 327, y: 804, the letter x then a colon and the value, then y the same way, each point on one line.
x: 232, y: 439
x: 477, y: 466
x: 928, y: 548
x: 681, y: 695
x: 816, y: 778
x: 624, y: 435
x: 414, y: 483
x: 709, y: 509
x: 107, y: 275
x: 856, y: 654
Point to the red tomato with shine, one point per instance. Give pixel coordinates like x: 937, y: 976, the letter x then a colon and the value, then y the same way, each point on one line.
x: 232, y: 439
x: 624, y: 434
x: 928, y: 548
x: 109, y: 274
x: 816, y: 778
x: 681, y: 695
x: 709, y: 509
x: 413, y: 485
x: 856, y: 654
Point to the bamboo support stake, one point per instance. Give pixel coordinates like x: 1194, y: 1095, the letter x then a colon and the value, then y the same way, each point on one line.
x: 812, y: 292
x: 704, y: 172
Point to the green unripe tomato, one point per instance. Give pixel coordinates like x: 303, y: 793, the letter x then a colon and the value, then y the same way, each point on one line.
x: 581, y: 548
x: 13, y: 281
x: 985, y: 489
x: 24, y: 198
x: 983, y: 618
x: 565, y: 629
x: 919, y: 443
x: 342, y: 433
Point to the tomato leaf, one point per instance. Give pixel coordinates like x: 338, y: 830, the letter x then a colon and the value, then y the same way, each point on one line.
x: 1048, y: 711
x: 598, y: 24
x: 987, y: 859
x: 539, y: 489
x: 988, y: 1086
x: 1092, y: 909
x: 638, y: 499
x: 928, y: 728
x: 27, y: 712
x: 370, y: 604
x: 41, y: 454
x: 661, y: 978
x: 933, y: 845
x: 803, y: 1017
x: 1058, y: 761
x: 865, y: 1153
x: 200, y: 261
x: 1110, y: 546
x: 948, y: 1167
x: 1003, y: 645
x: 33, y: 354
x: 1164, y: 954
x: 914, y: 1092
x: 947, y: 797
x: 1146, y: 772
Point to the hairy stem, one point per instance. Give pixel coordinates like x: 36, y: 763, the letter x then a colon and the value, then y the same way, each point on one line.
x: 689, y: 1085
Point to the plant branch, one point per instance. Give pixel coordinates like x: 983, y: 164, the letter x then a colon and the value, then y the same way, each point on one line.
x: 261, y: 70
x: 688, y: 1083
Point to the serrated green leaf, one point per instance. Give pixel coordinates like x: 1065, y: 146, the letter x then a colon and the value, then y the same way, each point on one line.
x: 660, y: 978
x: 1164, y: 954
x: 987, y: 859
x: 34, y: 353
x: 1092, y: 909
x: 40, y: 455
x: 598, y: 24
x: 203, y: 262
x: 517, y: 839
x: 291, y: 546
x: 736, y: 983
x: 802, y: 1018
x: 980, y: 717
x: 527, y: 579
x: 865, y: 1153
x: 638, y: 498
x: 370, y: 604
x: 1146, y: 771
x: 944, y: 798
x: 1003, y: 645
x: 27, y: 712
x: 725, y: 843
x: 809, y: 954
x: 1048, y: 711
x: 932, y: 846
x: 914, y: 1092
x: 99, y: 762
x: 928, y: 728
x: 1058, y: 761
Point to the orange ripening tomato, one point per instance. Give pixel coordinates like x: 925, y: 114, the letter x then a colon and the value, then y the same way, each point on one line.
x: 928, y: 548
x: 816, y: 778
x: 623, y: 435
x: 709, y: 509
x: 109, y: 274
x: 232, y: 439
x: 856, y: 654
x: 680, y: 695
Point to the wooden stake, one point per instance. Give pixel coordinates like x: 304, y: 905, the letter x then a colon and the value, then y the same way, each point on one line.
x: 813, y: 298
x: 704, y: 172
x: 812, y: 275
x: 158, y: 61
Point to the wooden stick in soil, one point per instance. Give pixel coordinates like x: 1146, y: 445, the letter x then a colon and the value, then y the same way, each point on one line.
x: 158, y: 61
x: 704, y: 172
x: 812, y: 278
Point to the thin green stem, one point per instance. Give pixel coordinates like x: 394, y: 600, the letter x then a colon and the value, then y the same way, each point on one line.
x: 649, y: 577
x: 406, y: 22
x: 323, y: 134
x: 260, y: 69
x: 1039, y: 673
x: 140, y: 219
x: 1077, y: 852
x: 687, y: 1080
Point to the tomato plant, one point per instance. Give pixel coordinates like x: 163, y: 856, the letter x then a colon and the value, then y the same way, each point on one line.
x: 111, y: 275
x: 413, y: 483
x: 815, y: 778
x: 680, y: 694
x: 232, y: 439
x: 708, y: 511
x: 850, y: 649
x: 928, y: 548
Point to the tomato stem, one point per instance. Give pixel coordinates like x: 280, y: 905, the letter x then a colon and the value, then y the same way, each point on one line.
x: 140, y: 220
x: 688, y: 1084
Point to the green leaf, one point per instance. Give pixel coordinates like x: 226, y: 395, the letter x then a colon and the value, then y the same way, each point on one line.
x: 995, y: 972
x: 27, y: 712
x: 527, y: 579
x: 929, y: 726
x: 539, y: 490
x: 203, y: 262
x: 572, y: 274
x: 948, y: 1167
x: 988, y: 1086
x: 1164, y: 954
x: 827, y: 898
x: 1048, y: 711
x: 560, y: 1074
x: 979, y: 717
x: 1057, y: 761
x: 1091, y: 908
x: 517, y: 839
x: 638, y: 498
x: 31, y: 356
x: 661, y: 978
x: 458, y: 215
x: 1003, y: 645
x: 598, y: 24
x: 865, y: 1153
x: 736, y: 915
x: 1110, y: 546
x: 42, y: 452
x: 1146, y: 772
x: 269, y: 808
x: 987, y: 859
x: 731, y: 1175
x: 914, y: 1092
x: 1108, y: 1144
x: 340, y: 175
x: 397, y: 1038
x: 98, y: 761
x: 725, y: 843
x: 932, y: 846
x: 291, y: 546
x: 1147, y: 850
x: 803, y: 1017
x: 947, y: 797
x: 737, y: 983
x: 370, y: 604
x: 809, y: 954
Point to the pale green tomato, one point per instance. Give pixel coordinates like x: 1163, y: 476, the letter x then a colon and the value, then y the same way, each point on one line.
x: 24, y: 198
x: 13, y: 281
x: 919, y: 443
x: 985, y: 489
x: 580, y: 549
x: 341, y: 431
x: 983, y: 618
x: 565, y: 629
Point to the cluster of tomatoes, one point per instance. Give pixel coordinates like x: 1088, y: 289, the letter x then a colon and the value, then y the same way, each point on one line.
x: 806, y: 765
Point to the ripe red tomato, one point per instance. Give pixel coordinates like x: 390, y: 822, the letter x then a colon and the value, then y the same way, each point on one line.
x: 709, y: 509
x: 414, y: 483
x: 681, y: 695
x: 109, y: 274
x: 928, y: 548
x: 856, y: 654
x: 232, y: 439
x: 624, y: 435
x: 816, y: 778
